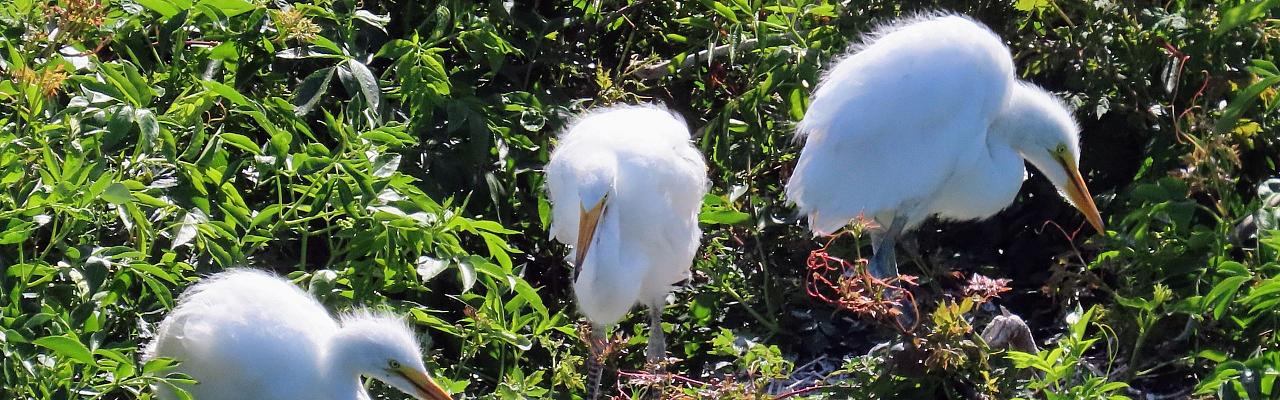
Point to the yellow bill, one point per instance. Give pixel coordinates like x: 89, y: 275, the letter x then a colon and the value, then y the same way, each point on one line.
x: 427, y: 388
x: 587, y: 222
x: 1079, y: 195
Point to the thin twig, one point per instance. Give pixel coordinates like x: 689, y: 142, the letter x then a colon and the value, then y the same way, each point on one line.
x: 798, y: 392
x: 662, y: 68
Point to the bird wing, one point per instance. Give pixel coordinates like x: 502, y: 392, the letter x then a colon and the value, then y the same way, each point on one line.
x: 884, y: 126
x: 659, y: 205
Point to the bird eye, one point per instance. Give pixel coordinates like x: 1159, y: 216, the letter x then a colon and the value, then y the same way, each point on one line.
x: 394, y: 364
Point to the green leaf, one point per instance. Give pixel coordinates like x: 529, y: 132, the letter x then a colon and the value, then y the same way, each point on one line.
x: 492, y: 226
x: 122, y: 84
x: 497, y: 249
x: 1231, y: 115
x: 1212, y: 355
x: 17, y: 233
x: 1232, y: 268
x: 138, y: 84
x: 544, y: 212
x: 66, y: 347
x: 230, y: 8
x: 241, y: 141
x: 724, y: 11
x: 149, y: 127
x: 311, y: 90
x: 117, y: 194
x: 1222, y: 293
x: 188, y: 228
x: 1241, y: 14
x: 165, y: 8
x: 428, y: 267
x: 467, y: 274
x: 422, y: 317
x: 227, y: 92
x: 385, y: 165
x: 723, y: 217
x: 368, y: 84
x: 1031, y: 5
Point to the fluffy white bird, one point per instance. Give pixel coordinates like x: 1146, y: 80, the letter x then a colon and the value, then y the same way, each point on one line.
x: 245, y: 334
x: 626, y: 186
x: 926, y: 117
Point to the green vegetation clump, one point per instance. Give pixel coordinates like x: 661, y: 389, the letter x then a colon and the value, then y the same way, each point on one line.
x: 388, y: 153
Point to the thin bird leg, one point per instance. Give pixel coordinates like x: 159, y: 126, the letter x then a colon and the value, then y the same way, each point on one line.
x: 884, y: 263
x: 595, y: 363
x: 657, y: 351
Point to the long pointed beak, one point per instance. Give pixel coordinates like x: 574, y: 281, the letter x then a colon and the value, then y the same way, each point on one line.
x: 1079, y: 195
x: 587, y: 222
x: 427, y: 388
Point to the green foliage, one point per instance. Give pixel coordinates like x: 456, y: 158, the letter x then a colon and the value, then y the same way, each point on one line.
x: 1062, y: 375
x: 387, y: 153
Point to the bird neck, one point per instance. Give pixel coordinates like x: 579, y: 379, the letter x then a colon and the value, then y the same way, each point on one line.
x: 342, y: 366
x: 1014, y: 128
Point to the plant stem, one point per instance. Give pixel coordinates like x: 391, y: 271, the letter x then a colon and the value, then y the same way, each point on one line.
x: 773, y: 327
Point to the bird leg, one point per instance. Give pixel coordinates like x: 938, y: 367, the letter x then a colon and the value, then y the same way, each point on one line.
x: 656, y: 353
x: 657, y: 350
x: 595, y: 362
x: 884, y: 263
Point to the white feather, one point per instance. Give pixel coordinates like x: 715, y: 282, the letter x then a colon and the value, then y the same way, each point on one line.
x: 925, y: 117
x: 248, y: 334
x: 648, y: 234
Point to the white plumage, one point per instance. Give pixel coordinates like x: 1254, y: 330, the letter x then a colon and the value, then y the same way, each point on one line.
x: 926, y: 117
x: 626, y: 186
x: 245, y: 334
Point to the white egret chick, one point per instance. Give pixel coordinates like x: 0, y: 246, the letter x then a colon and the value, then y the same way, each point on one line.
x: 626, y: 186
x: 926, y: 117
x: 246, y: 334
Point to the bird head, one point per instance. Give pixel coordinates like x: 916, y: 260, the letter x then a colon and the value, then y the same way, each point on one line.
x: 1040, y: 128
x: 384, y: 347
